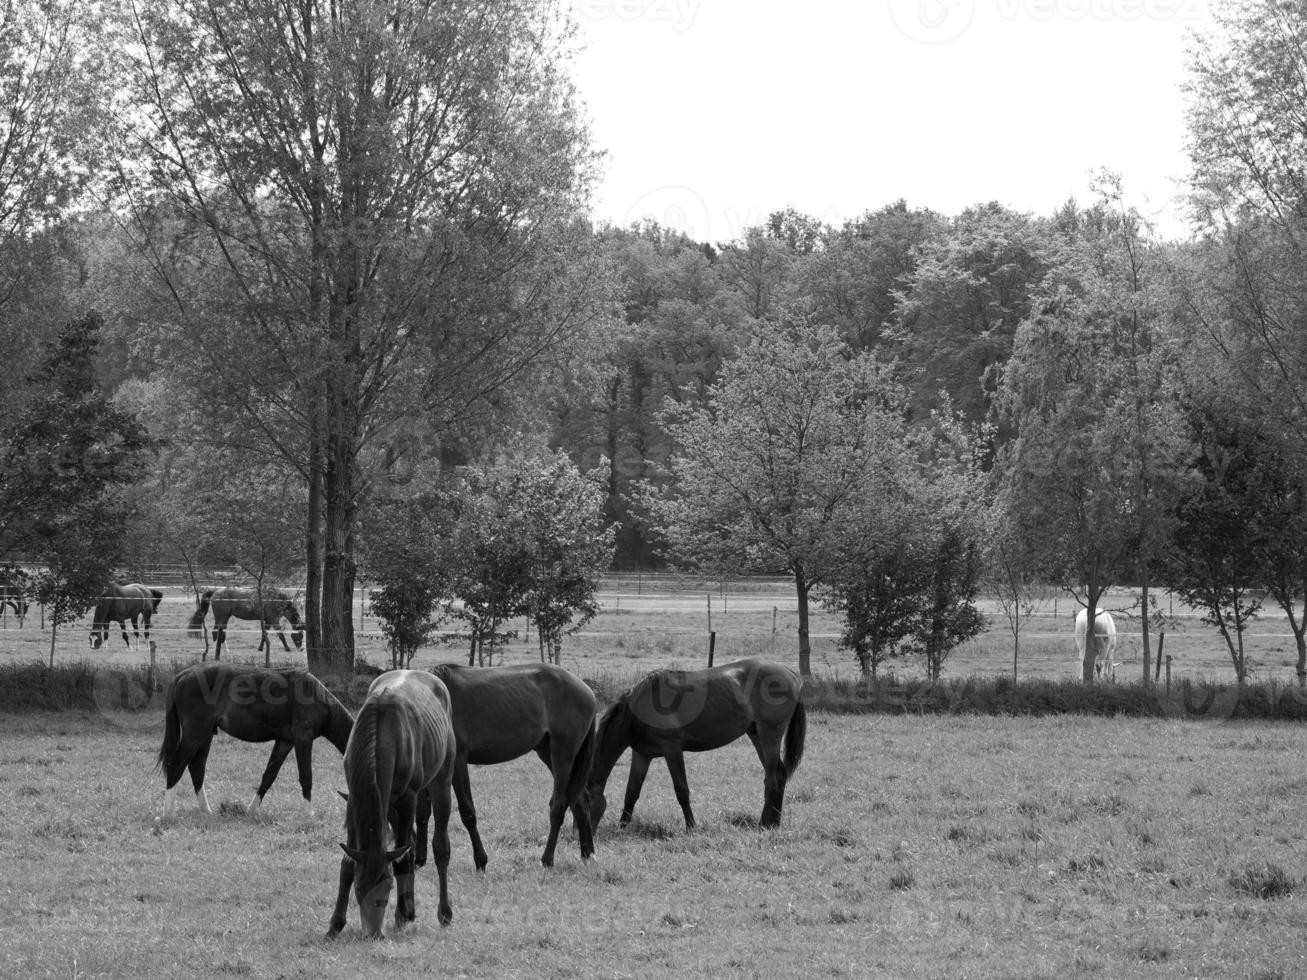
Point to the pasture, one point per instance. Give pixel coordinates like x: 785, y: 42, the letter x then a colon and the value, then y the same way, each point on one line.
x: 658, y: 621
x: 910, y: 847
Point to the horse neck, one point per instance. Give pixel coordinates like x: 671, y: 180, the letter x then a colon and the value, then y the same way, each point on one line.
x: 364, y: 776
x: 339, y: 723
x: 614, y: 738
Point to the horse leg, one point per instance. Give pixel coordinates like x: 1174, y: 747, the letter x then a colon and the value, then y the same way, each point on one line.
x: 280, y: 749
x: 676, y: 766
x: 405, y: 901
x: 768, y: 746
x: 467, y: 812
x: 423, y: 819
x: 304, y: 762
x: 219, y: 635
x: 439, y: 797
x: 122, y: 625
x: 180, y: 762
x: 197, y: 765
x: 281, y: 635
x: 342, y: 898
x: 639, y: 769
x: 560, y: 764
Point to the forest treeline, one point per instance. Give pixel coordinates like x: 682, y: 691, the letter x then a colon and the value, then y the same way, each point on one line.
x: 304, y: 286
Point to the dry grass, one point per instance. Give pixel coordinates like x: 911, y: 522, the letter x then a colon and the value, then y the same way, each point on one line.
x: 976, y: 847
x: 648, y: 623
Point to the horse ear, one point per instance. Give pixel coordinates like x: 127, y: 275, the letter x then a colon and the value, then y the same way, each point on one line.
x: 398, y: 853
x: 353, y: 852
x: 343, y: 795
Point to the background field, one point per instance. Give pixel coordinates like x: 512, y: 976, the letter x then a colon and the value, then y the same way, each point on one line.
x: 911, y: 847
x: 653, y: 621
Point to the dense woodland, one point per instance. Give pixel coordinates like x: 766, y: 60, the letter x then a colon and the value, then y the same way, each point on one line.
x: 310, y: 290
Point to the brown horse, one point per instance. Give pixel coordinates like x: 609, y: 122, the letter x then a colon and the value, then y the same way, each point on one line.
x: 14, y: 595
x: 246, y: 604
x: 120, y: 603
x: 501, y: 714
x: 289, y: 707
x: 671, y: 712
x: 402, y: 746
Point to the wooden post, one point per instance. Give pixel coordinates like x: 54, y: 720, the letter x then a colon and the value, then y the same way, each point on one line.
x: 152, y: 678
x: 712, y: 646
x: 1168, y: 674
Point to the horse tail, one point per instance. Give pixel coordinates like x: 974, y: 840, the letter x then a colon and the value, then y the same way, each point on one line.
x: 172, y: 731
x: 795, y: 736
x: 582, y: 764
x: 196, y: 624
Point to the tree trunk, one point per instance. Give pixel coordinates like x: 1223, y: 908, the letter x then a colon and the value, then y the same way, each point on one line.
x: 805, y: 646
x: 318, y: 664
x: 1094, y: 592
x: 1144, y: 622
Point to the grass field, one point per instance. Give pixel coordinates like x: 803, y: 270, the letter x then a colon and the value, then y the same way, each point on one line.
x: 659, y: 622
x: 911, y: 847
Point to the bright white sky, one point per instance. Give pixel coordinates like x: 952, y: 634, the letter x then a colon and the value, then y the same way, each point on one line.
x: 715, y: 113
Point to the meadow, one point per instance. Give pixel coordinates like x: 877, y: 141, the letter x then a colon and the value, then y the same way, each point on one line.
x: 912, y: 846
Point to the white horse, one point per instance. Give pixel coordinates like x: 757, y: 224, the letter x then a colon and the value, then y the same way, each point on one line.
x: 1103, y: 647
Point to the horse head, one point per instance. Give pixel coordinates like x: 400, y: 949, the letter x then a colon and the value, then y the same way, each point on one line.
x: 373, y: 881
x: 99, y: 634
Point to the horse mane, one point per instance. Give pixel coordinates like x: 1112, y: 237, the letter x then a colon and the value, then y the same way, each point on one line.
x: 361, y: 779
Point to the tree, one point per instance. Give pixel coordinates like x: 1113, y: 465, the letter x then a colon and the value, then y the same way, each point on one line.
x: 527, y: 539
x: 914, y: 592
x: 797, y: 442
x: 1216, y: 565
x: 402, y: 552
x: 66, y: 459
x: 69, y: 452
x: 363, y: 215
x: 959, y: 308
x: 1101, y: 451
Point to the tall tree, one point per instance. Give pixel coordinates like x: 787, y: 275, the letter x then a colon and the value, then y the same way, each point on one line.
x: 65, y: 461
x: 797, y: 442
x: 363, y: 214
x: 1101, y: 451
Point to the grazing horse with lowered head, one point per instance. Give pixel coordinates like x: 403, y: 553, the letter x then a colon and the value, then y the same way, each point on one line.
x: 289, y: 707
x: 402, y: 746
x: 120, y: 603
x: 671, y: 712
x: 1096, y: 658
x: 245, y: 604
x: 501, y: 714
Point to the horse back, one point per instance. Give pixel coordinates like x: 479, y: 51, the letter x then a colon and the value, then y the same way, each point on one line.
x: 403, y: 732
x: 502, y: 713
x: 703, y: 710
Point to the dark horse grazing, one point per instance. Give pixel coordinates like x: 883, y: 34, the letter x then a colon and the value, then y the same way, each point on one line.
x: 244, y: 604
x: 501, y: 714
x: 120, y: 603
x: 671, y: 712
x: 402, y: 746
x: 290, y: 707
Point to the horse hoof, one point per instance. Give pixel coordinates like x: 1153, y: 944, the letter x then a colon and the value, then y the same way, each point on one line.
x: 446, y: 916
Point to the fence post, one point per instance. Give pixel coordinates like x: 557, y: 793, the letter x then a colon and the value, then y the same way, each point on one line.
x: 1168, y: 674
x: 153, y: 676
x: 712, y: 646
